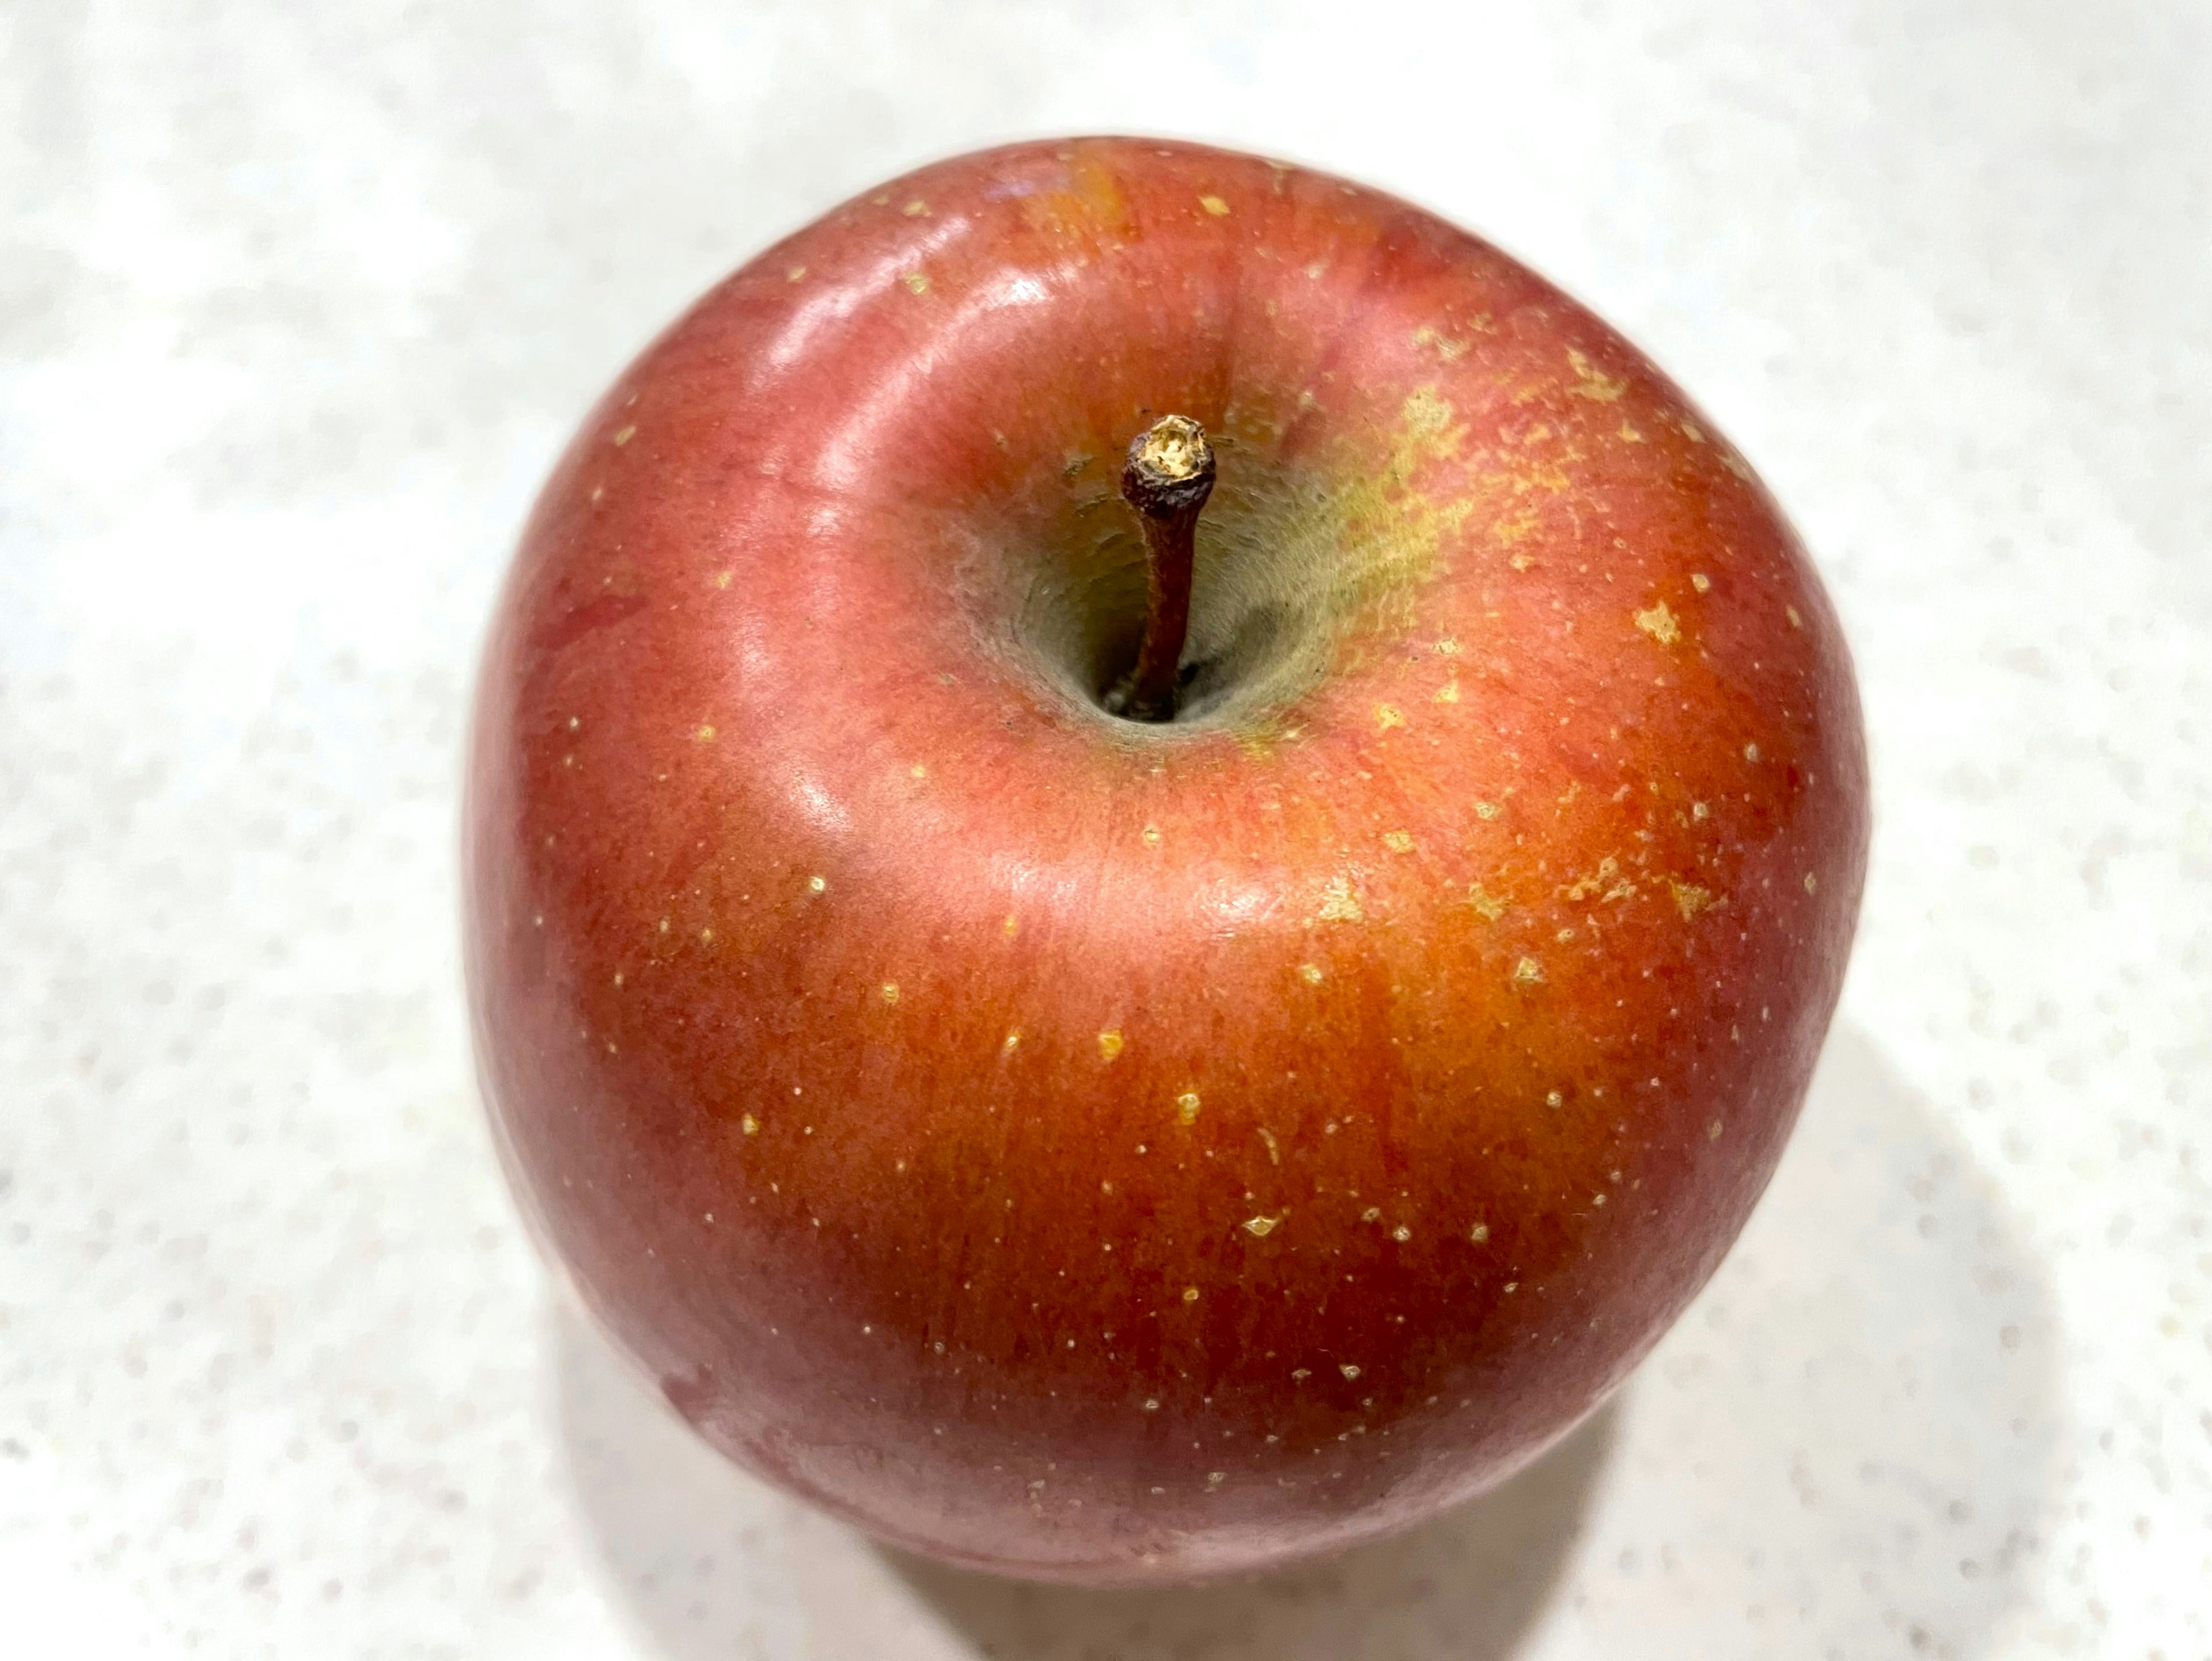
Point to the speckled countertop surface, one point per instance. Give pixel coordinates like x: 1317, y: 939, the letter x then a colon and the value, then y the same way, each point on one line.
x: 296, y: 303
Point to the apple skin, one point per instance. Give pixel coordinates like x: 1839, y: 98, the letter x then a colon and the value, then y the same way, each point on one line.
x: 1118, y: 1153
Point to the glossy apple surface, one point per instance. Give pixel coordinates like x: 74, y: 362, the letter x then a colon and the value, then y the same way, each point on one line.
x: 1115, y: 1151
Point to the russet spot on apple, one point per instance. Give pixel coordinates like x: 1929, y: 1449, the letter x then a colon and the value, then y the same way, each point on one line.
x: 1123, y: 1019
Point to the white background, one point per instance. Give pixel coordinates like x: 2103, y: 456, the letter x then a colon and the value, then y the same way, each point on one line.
x: 296, y: 303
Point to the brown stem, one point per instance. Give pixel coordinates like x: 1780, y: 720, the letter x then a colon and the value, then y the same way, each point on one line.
x: 1169, y: 476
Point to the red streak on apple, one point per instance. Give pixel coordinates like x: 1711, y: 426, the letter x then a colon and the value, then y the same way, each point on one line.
x: 1119, y: 1151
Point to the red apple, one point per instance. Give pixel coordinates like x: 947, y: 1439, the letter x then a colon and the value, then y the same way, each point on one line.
x: 1121, y: 1150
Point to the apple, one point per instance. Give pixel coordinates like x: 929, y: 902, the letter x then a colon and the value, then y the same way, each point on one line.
x: 1118, y: 1127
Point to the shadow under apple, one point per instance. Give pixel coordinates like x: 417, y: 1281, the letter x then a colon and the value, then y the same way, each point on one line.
x: 1468, y: 1585
x: 1850, y: 1443
x: 1845, y: 1447
x: 713, y: 1564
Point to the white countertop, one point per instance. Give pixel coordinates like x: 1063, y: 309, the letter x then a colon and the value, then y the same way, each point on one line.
x: 296, y: 303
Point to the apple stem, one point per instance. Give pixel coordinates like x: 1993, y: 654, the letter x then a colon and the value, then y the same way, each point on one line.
x: 1168, y: 477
